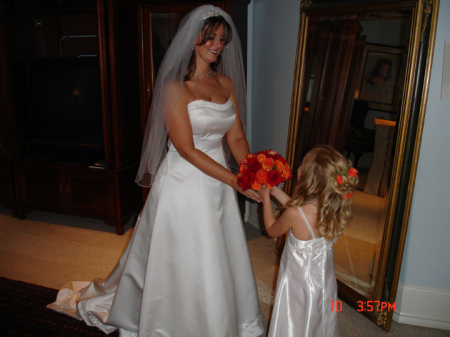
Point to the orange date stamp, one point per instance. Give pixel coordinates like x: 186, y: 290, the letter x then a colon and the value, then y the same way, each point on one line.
x: 366, y: 306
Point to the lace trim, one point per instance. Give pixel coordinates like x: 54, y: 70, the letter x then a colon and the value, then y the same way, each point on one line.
x: 215, y: 106
x: 251, y: 323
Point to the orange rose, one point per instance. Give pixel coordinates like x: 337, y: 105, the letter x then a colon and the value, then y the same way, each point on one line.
x: 268, y: 164
x: 339, y: 180
x: 286, y: 173
x: 261, y: 157
x: 256, y: 186
x: 352, y: 172
x: 279, y: 165
x: 347, y: 196
x: 261, y: 176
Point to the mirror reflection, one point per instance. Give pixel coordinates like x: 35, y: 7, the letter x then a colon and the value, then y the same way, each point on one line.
x: 354, y: 77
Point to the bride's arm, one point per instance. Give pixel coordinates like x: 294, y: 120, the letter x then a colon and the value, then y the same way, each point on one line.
x: 180, y: 134
x: 235, y: 136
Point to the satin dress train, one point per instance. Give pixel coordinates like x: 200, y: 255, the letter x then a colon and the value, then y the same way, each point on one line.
x: 186, y: 271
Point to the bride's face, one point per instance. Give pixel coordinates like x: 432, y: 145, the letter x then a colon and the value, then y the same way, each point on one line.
x: 215, y: 42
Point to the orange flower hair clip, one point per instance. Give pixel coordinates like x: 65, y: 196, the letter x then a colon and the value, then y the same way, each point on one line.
x: 348, y: 195
x: 352, y: 177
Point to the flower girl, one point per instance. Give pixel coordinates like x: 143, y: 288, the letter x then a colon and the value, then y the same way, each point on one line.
x: 315, y: 216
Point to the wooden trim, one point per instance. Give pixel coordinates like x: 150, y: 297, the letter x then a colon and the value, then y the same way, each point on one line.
x: 316, y: 8
x: 399, y: 151
x: 416, y: 151
x: 298, y: 87
x: 112, y: 18
x: 103, y: 62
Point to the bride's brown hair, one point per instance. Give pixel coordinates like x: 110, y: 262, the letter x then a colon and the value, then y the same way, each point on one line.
x: 321, y: 173
x: 210, y: 26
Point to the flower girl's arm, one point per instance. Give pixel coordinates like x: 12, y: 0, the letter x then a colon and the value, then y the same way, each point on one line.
x: 279, y: 194
x: 275, y: 227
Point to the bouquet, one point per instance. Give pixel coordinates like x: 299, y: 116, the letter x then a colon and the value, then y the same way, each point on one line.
x: 266, y: 168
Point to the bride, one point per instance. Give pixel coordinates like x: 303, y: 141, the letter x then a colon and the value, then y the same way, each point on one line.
x: 186, y: 270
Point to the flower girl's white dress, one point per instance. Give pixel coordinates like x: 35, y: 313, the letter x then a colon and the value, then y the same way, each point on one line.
x: 305, y: 288
x: 186, y: 271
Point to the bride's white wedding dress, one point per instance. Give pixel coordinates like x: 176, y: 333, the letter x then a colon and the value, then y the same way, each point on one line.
x: 186, y: 271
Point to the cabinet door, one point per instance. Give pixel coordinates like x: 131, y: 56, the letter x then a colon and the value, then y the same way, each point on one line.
x: 90, y: 192
x: 6, y: 182
x: 41, y: 187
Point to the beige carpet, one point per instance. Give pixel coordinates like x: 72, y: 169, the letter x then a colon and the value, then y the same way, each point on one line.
x: 353, y: 259
x: 357, y: 249
x: 52, y: 253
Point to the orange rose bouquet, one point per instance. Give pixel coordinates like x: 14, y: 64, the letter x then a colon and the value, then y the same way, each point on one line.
x: 266, y: 168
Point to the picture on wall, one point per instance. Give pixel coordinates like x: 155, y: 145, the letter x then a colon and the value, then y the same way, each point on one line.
x: 379, y: 77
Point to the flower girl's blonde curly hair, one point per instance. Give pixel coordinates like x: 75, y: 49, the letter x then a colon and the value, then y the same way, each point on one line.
x: 326, y: 177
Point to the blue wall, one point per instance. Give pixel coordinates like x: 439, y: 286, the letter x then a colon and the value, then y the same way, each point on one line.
x: 275, y: 29
x: 427, y: 251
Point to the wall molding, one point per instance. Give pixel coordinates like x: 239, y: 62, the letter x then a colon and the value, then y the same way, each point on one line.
x: 251, y: 216
x: 428, y: 307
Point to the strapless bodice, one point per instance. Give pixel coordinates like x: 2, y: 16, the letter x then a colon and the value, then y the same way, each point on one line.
x: 210, y: 121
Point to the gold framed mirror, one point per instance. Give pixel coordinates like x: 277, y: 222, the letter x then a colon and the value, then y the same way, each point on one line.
x: 361, y: 84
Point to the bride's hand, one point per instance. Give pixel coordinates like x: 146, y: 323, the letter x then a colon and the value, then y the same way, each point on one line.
x: 251, y: 194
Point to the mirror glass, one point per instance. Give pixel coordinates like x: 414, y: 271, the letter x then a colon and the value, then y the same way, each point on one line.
x: 352, y: 97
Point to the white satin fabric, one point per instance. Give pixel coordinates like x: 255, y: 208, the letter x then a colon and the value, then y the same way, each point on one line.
x: 186, y: 271
x: 305, y: 288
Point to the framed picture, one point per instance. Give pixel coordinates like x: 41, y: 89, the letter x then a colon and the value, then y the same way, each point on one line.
x: 379, y: 77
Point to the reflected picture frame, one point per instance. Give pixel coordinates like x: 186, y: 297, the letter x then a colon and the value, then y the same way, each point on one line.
x: 381, y: 71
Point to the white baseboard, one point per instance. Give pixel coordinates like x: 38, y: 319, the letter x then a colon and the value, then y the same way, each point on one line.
x: 251, y: 216
x: 422, y: 306
x: 254, y: 222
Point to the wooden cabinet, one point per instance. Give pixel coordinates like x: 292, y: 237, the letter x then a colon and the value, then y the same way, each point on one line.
x: 70, y: 100
x: 48, y: 149
x: 7, y: 193
x: 77, y: 191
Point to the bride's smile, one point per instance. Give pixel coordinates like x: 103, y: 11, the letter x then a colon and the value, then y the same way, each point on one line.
x: 208, y: 52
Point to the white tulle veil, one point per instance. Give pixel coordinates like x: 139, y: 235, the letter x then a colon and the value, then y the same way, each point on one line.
x: 169, y: 82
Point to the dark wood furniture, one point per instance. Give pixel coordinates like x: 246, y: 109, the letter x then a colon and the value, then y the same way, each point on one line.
x: 60, y: 175
x: 7, y: 194
x: 129, y: 39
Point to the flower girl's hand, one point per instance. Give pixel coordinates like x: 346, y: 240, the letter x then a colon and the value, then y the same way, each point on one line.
x: 280, y: 195
x: 264, y: 193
